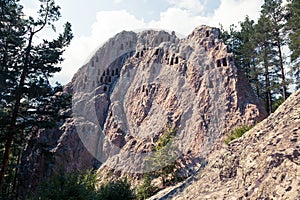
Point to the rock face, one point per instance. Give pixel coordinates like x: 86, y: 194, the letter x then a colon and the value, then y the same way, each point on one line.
x: 263, y: 164
x: 135, y: 85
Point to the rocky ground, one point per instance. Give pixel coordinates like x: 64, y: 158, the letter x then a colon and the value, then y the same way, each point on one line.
x: 263, y: 164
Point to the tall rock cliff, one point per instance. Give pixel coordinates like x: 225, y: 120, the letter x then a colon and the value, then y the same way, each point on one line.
x: 135, y: 86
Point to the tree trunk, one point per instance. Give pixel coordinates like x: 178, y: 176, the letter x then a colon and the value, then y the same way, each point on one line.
x: 12, y: 131
x: 15, y: 183
x: 256, y: 82
x: 284, y: 89
x: 15, y: 113
x: 268, y: 91
x: 267, y: 81
x: 5, y: 160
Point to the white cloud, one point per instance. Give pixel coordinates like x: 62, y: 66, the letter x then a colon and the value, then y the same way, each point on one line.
x: 177, y: 19
x: 30, y: 8
x: 193, y: 6
x: 108, y: 23
x: 30, y: 12
x: 180, y: 18
x: 117, y: 1
x: 233, y: 11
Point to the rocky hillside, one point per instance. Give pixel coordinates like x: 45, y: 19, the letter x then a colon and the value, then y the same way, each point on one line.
x: 263, y: 164
x: 135, y: 86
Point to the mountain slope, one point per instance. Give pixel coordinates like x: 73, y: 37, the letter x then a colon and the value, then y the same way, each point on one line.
x: 263, y: 164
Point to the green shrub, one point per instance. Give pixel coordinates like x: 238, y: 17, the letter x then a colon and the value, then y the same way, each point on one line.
x: 145, y: 190
x: 82, y: 186
x: 164, y: 157
x: 237, y: 133
x: 116, y: 190
x: 72, y: 186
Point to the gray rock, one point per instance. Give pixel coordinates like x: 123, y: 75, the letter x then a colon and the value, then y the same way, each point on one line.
x: 263, y: 164
x: 132, y: 88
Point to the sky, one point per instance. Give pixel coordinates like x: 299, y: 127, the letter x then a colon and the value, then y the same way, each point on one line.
x: 95, y: 21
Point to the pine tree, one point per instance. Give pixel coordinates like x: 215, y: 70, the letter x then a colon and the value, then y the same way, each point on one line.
x: 231, y: 38
x: 246, y: 54
x: 242, y: 42
x: 274, y: 12
x: 12, y: 39
x: 164, y: 157
x: 27, y: 99
x: 266, y: 54
x: 293, y: 28
x: 258, y: 49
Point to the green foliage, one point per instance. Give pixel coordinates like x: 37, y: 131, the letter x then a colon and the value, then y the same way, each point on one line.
x: 27, y: 100
x: 293, y: 26
x: 266, y: 53
x: 258, y: 49
x: 82, y: 186
x: 116, y: 190
x: 163, y: 161
x: 71, y: 186
x: 293, y: 29
x: 145, y: 190
x: 165, y: 139
x: 237, y: 133
x: 164, y: 158
x: 278, y: 101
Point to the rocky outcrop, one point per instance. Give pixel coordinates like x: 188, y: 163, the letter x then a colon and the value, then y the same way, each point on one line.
x: 191, y: 83
x: 263, y: 164
x: 135, y: 85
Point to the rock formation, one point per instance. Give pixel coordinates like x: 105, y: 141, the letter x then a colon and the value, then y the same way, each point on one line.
x: 263, y: 164
x: 134, y: 86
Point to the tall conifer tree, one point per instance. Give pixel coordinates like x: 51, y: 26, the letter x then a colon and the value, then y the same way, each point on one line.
x: 27, y: 99
x: 293, y: 29
x: 275, y: 13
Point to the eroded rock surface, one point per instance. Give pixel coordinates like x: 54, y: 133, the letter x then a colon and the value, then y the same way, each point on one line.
x: 135, y: 85
x: 191, y: 83
x: 263, y: 164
